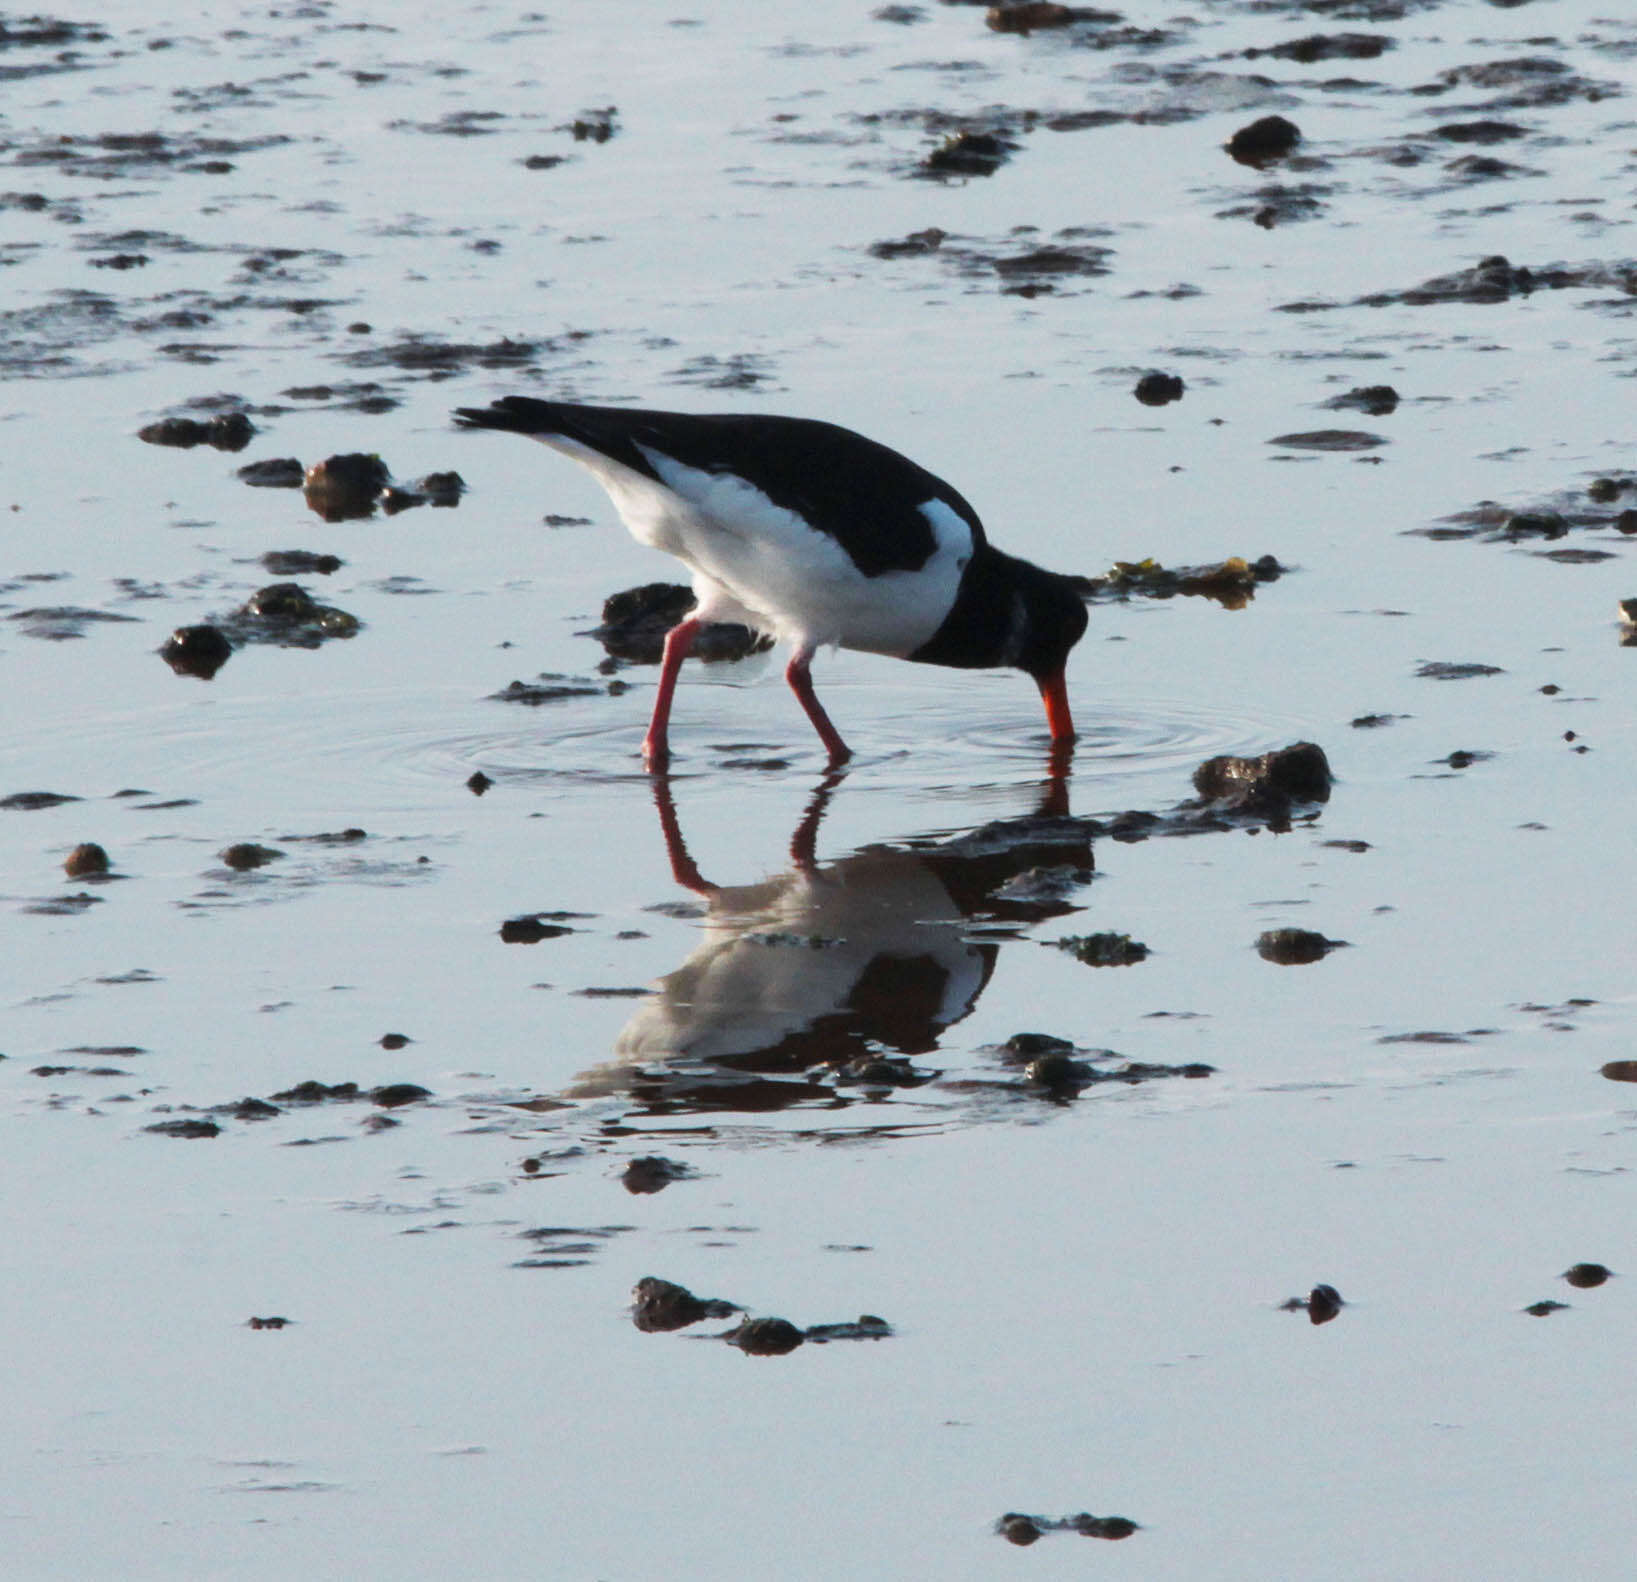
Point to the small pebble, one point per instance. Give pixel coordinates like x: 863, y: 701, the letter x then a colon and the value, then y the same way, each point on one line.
x: 86, y: 858
x: 1586, y: 1276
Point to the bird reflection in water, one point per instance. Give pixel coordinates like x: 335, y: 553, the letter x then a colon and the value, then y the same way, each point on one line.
x: 831, y: 979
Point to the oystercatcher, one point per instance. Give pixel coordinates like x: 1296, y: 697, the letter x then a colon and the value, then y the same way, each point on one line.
x: 817, y: 535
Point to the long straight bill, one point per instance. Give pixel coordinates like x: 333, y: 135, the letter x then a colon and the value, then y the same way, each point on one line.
x: 1054, y: 693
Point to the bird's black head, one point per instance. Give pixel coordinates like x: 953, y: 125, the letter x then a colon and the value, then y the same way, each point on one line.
x: 1053, y: 620
x: 1008, y: 612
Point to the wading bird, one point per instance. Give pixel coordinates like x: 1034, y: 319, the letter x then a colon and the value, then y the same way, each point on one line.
x: 817, y: 535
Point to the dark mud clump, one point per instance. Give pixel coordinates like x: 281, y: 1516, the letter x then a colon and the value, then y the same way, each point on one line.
x: 635, y: 622
x: 1235, y: 793
x: 1031, y: 1046
x: 1321, y: 1304
x: 248, y: 1109
x: 1495, y: 279
x: 48, y: 32
x: 433, y: 358
x: 1157, y: 389
x: 1036, y: 271
x: 1264, y: 142
x: 85, y: 860
x: 1062, y: 1078
x: 244, y: 856
x: 62, y: 906
x: 1030, y: 16
x: 394, y: 1095
x: 350, y: 836
x: 345, y: 488
x: 1529, y: 82
x: 1326, y: 46
x: 276, y: 472
x: 440, y: 490
x: 1295, y: 947
x: 1373, y: 400
x: 1492, y: 279
x: 1543, y: 1309
x: 188, y: 1127
x: 59, y: 623
x: 197, y: 651
x: 968, y: 151
x: 1277, y: 204
x: 283, y: 603
x: 1588, y: 1276
x: 311, y: 1092
x: 227, y: 431
x: 865, y: 1327
x: 766, y: 1337
x: 1275, y: 781
x: 1566, y: 510
x: 534, y: 927
x: 1022, y: 1530
x: 549, y: 688
x: 1019, y: 1530
x: 1103, y: 950
x: 301, y: 563
x: 1483, y: 167
x: 595, y: 126
x: 660, y: 1305
x: 33, y: 801
x: 1042, y: 267
x: 285, y: 614
x: 1456, y: 670
x: 349, y: 487
x: 917, y: 244
x: 1484, y: 133
x: 273, y: 1321
x: 650, y: 1174
x: 1055, y: 1067
x: 1330, y: 439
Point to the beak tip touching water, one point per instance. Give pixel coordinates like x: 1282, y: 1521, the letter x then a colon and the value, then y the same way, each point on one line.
x: 1054, y: 693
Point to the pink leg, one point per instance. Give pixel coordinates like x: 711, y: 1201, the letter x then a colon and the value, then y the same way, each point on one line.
x: 799, y: 674
x: 678, y: 641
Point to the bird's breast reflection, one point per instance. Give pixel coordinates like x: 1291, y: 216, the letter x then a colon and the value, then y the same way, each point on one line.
x: 827, y: 975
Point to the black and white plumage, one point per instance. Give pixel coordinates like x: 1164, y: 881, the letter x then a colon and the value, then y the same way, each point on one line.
x: 817, y: 535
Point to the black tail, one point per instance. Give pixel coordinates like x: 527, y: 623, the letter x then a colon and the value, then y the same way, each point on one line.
x: 513, y: 414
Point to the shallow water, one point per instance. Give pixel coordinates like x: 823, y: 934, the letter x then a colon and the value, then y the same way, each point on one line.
x: 339, y: 236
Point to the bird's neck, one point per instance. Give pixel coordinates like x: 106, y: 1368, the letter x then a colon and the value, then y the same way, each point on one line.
x: 989, y: 622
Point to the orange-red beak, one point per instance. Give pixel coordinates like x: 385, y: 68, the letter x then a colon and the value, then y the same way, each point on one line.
x: 1054, y: 693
